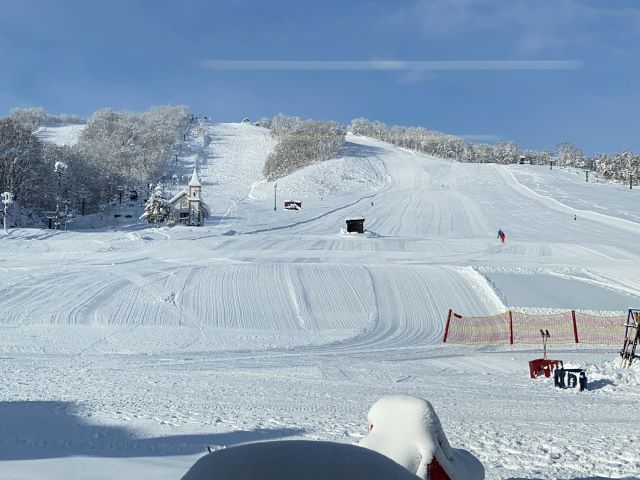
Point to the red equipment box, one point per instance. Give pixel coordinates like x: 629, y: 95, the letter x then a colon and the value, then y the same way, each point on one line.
x: 543, y: 366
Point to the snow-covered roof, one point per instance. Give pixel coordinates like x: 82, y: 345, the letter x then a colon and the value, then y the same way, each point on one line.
x: 177, y: 197
x: 195, y: 181
x: 354, y: 219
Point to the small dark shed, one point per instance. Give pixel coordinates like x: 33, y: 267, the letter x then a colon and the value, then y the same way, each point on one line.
x: 355, y: 225
x: 292, y: 205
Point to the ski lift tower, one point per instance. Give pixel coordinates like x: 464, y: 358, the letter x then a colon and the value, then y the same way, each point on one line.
x: 631, y: 338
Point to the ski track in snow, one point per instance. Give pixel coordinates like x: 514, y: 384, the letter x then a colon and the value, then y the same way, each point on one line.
x: 139, y: 347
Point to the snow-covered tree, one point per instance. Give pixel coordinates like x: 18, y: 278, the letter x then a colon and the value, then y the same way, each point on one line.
x: 264, y: 122
x: 157, y: 209
x: 301, y: 143
x: 569, y: 155
x: 33, y: 117
x: 22, y: 168
x: 129, y: 147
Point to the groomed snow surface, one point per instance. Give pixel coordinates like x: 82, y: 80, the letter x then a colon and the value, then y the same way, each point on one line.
x: 62, y: 135
x: 126, y: 351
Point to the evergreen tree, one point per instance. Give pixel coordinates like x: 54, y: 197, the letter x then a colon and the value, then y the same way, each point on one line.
x: 157, y: 208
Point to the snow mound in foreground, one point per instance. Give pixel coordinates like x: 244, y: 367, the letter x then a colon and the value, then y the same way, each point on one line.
x: 407, y: 430
x: 296, y: 460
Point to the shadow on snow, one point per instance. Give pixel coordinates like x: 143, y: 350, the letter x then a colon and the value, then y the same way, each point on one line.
x: 52, y: 429
x: 350, y: 149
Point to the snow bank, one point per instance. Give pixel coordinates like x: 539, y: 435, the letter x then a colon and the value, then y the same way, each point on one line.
x: 296, y: 460
x: 610, y: 378
x: 407, y: 430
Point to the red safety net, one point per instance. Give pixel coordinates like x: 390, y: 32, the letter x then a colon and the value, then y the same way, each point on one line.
x: 600, y: 330
x: 526, y: 328
x: 493, y: 329
x: 517, y: 327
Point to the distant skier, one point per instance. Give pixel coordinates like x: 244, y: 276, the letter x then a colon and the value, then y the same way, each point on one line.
x: 575, y: 216
x: 501, y: 235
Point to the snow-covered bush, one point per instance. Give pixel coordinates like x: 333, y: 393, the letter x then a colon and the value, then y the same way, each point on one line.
x: 34, y: 117
x: 282, y: 124
x: 301, y: 143
x: 417, y: 138
x: 264, y: 122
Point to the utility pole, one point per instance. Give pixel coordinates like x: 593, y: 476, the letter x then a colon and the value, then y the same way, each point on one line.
x: 7, y: 200
x: 275, y: 195
x: 66, y: 214
x: 59, y: 168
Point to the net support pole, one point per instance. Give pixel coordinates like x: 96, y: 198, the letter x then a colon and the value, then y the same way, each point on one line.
x: 446, y: 328
x: 575, y: 326
x: 510, y: 328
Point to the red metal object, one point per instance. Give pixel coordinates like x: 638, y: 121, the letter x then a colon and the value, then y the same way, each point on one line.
x: 543, y: 366
x: 436, y: 472
x: 575, y: 326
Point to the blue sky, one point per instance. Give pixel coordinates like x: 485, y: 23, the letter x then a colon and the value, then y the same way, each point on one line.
x: 77, y: 56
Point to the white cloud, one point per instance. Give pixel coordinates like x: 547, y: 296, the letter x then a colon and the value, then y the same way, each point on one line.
x: 390, y: 65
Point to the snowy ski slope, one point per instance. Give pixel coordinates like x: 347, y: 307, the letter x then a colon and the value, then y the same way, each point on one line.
x: 144, y: 345
x: 63, y: 135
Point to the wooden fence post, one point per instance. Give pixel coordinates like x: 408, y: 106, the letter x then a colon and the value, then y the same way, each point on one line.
x: 575, y: 326
x: 446, y: 328
x: 510, y: 328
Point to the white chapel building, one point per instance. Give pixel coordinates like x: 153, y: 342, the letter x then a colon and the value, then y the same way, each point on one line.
x: 187, y: 206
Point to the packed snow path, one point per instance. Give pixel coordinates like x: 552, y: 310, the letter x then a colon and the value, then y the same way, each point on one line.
x: 266, y: 324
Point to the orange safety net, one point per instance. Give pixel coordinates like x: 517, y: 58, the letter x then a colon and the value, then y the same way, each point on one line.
x: 517, y: 327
